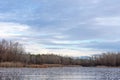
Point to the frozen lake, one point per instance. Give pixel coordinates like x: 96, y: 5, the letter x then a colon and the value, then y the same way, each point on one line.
x: 60, y: 73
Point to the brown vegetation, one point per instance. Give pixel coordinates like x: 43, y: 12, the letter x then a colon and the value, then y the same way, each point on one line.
x: 11, y: 64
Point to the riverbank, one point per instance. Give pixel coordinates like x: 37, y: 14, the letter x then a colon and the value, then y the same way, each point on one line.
x: 19, y: 65
x: 22, y: 65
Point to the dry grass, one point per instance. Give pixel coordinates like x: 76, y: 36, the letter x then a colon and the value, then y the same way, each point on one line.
x: 11, y: 64
x: 18, y: 64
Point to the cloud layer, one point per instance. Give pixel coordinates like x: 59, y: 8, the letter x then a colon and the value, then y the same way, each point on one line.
x: 67, y: 27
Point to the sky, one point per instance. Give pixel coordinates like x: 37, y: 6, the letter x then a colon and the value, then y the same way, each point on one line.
x: 65, y: 27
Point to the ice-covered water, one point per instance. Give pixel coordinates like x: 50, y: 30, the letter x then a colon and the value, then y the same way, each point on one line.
x: 60, y: 73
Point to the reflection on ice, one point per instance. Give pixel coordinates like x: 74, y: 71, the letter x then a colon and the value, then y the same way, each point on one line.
x: 10, y: 76
x: 65, y: 73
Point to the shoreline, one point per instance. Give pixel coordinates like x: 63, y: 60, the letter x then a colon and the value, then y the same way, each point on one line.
x: 22, y: 65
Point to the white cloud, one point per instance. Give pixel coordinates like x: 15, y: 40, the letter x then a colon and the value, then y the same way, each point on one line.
x: 60, y: 36
x: 107, y: 21
x: 10, y: 29
x: 75, y: 53
x: 36, y: 49
x: 106, y: 27
x: 62, y: 42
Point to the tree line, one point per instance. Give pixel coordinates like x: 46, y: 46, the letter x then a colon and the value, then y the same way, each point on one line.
x: 14, y: 52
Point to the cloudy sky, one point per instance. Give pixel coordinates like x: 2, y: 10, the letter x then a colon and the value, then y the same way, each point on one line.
x: 65, y: 27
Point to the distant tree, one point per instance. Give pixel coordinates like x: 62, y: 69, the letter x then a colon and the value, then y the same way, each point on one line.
x: 10, y: 51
